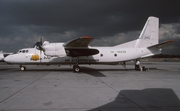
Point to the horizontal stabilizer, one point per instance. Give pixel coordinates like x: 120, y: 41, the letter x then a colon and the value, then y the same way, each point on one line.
x: 161, y: 45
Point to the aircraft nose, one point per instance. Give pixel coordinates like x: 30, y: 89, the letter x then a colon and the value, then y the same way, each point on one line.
x: 8, y: 59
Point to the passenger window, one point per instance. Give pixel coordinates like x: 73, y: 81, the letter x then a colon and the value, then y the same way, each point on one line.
x: 26, y: 51
x: 23, y: 51
x: 101, y: 55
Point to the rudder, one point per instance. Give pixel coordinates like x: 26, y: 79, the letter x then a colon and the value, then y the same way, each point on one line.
x: 150, y: 33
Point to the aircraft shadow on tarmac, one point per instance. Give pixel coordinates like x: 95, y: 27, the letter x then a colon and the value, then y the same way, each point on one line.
x: 90, y: 71
x: 87, y: 70
x: 155, y: 99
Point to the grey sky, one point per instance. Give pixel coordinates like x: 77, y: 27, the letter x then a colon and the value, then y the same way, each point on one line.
x: 23, y: 22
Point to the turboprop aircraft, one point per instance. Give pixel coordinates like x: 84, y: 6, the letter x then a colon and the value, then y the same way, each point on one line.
x: 78, y: 51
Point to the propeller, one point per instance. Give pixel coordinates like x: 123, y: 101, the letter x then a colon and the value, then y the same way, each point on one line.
x: 39, y: 46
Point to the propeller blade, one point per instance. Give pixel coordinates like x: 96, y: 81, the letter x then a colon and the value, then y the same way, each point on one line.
x: 41, y: 48
x: 41, y: 43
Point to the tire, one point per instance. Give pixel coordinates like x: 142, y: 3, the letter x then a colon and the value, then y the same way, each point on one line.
x: 76, y: 68
x: 22, y: 68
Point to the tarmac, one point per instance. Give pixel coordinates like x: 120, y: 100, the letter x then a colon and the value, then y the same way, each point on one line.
x: 95, y: 88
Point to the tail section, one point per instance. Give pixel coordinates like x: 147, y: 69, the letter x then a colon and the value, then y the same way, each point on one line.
x: 150, y: 33
x: 148, y: 37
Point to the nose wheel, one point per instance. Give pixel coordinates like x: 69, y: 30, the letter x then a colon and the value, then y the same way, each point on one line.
x: 22, y: 68
x: 76, y: 68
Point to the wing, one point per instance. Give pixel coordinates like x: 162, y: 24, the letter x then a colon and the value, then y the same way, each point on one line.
x: 79, y: 47
x: 79, y: 43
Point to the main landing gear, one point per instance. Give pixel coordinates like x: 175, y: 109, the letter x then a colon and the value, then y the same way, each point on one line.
x: 123, y: 64
x: 76, y: 68
x: 22, y: 68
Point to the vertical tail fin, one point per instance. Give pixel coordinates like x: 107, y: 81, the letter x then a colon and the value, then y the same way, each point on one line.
x: 150, y: 33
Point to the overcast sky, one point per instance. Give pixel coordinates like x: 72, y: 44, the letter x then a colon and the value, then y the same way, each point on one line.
x: 110, y: 22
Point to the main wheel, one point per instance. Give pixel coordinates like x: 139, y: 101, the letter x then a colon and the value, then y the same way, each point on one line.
x: 22, y: 68
x: 76, y: 68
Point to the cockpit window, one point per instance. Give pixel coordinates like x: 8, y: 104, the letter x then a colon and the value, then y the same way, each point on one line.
x: 22, y: 51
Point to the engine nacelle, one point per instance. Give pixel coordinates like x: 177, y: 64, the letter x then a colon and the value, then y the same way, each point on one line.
x: 54, y: 49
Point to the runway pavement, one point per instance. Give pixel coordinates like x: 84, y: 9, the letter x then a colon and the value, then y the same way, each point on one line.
x: 95, y: 88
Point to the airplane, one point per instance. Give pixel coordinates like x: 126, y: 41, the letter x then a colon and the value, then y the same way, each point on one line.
x: 78, y: 51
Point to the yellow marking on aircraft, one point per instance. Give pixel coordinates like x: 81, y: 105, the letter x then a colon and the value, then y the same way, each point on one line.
x: 35, y: 57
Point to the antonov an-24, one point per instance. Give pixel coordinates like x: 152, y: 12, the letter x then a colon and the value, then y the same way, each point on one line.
x: 78, y: 51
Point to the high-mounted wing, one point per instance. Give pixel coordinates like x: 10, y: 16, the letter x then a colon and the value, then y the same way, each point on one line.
x: 79, y: 43
x: 79, y: 47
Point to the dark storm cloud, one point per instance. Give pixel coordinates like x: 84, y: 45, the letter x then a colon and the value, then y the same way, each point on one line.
x: 58, y: 20
x: 72, y: 14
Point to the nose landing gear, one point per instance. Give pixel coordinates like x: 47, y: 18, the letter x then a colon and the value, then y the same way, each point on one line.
x: 76, y: 68
x: 22, y: 68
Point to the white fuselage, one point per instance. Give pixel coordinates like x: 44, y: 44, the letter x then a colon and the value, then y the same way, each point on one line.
x: 106, y: 55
